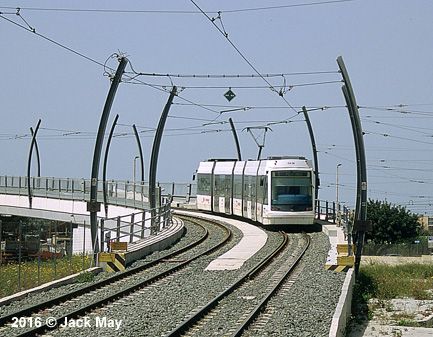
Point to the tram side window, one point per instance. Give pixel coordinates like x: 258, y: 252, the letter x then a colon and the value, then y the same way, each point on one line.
x: 203, y: 184
x: 248, y: 186
x: 237, y: 185
x: 227, y: 185
x: 221, y: 184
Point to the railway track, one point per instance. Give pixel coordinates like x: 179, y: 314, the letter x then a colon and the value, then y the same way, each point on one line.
x: 259, y: 306
x: 45, y: 316
x: 207, y: 317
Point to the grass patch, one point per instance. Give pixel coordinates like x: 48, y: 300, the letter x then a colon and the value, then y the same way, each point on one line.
x: 384, y: 282
x: 29, y: 273
x: 85, y: 277
x: 405, y: 322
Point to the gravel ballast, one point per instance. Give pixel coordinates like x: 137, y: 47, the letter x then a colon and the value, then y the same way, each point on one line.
x: 305, y: 310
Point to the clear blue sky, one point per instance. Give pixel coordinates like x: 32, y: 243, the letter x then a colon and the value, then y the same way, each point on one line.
x: 386, y: 45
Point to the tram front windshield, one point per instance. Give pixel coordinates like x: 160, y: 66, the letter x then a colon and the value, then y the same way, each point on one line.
x: 291, y: 191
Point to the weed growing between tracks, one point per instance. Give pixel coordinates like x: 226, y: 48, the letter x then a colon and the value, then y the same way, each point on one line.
x: 29, y: 272
x: 384, y: 282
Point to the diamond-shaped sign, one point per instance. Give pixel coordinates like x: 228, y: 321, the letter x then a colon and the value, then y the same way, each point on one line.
x: 229, y: 95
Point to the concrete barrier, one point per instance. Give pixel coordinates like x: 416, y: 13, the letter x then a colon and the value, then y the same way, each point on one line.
x: 118, y: 260
x: 344, y: 306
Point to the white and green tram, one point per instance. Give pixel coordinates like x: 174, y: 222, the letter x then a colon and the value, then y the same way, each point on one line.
x: 273, y: 191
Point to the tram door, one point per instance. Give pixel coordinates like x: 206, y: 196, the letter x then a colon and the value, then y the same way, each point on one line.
x: 249, y: 192
x: 227, y: 194
x: 216, y: 194
x: 222, y: 193
x: 253, y: 199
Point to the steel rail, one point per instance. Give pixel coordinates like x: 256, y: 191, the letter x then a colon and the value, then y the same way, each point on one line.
x: 259, y: 307
x: 189, y: 322
x: 103, y: 283
x: 125, y: 292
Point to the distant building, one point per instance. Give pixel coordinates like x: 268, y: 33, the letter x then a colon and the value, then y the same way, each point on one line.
x: 427, y: 224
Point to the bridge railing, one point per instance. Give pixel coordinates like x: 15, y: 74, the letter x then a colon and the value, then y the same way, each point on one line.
x: 121, y: 193
x: 335, y: 213
x: 135, y: 225
x: 179, y: 191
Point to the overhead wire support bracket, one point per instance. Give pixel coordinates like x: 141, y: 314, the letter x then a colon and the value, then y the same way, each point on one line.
x: 260, y: 145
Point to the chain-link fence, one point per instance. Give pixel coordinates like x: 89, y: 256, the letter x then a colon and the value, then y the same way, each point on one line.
x: 371, y: 249
x: 36, y: 251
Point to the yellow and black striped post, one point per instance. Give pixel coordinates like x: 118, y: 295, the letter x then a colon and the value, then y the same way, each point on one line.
x: 114, y: 261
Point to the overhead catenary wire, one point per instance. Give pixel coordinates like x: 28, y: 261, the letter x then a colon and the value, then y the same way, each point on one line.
x: 231, y: 76
x: 289, y: 87
x: 243, y: 56
x: 399, y: 110
x: 150, y: 11
x: 131, y: 77
x: 33, y: 30
x: 397, y: 137
x: 416, y: 129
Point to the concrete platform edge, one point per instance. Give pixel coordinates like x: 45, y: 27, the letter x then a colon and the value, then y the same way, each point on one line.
x: 343, y: 310
x: 164, y: 240
x: 137, y: 250
x: 47, y: 286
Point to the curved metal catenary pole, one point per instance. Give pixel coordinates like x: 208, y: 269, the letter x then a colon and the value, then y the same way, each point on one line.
x: 155, y: 152
x: 235, y: 136
x: 104, y: 166
x: 361, y: 213
x: 313, y: 145
x: 38, y: 160
x: 93, y: 206
x: 140, y: 152
x: 361, y: 200
x: 32, y: 144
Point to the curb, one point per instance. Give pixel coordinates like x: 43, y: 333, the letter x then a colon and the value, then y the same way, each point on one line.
x: 46, y: 286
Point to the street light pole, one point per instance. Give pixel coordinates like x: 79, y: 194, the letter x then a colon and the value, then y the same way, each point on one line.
x: 135, y: 158
x: 337, y: 186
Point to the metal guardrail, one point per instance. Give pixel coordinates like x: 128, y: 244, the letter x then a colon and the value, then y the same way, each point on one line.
x: 120, y: 193
x: 334, y: 213
x: 137, y: 224
x: 184, y: 191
